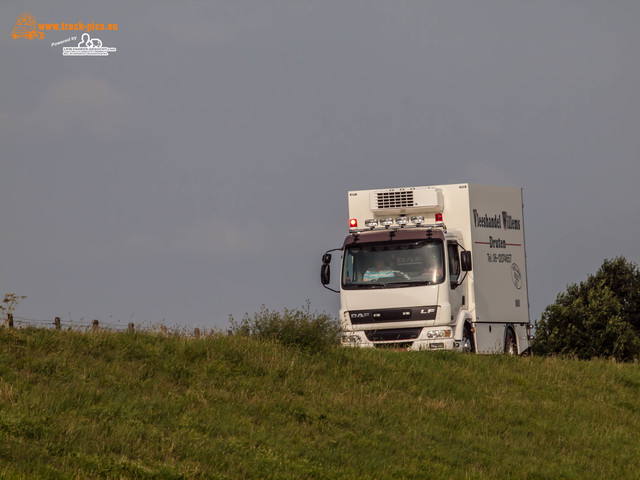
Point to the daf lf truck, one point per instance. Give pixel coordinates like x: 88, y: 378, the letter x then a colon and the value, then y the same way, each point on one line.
x: 434, y: 267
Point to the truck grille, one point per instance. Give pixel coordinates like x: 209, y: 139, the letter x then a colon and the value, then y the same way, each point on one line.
x: 386, y: 315
x: 391, y: 335
x: 395, y: 199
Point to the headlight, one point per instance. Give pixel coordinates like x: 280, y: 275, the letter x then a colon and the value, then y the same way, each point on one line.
x: 439, y: 334
x: 350, y: 339
x: 402, y: 221
x: 386, y: 222
x: 371, y: 223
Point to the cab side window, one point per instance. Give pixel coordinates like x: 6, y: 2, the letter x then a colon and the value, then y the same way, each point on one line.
x: 454, y: 262
x: 348, y: 275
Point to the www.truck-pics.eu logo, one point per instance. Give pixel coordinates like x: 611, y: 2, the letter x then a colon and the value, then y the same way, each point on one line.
x: 26, y: 27
x: 88, y: 46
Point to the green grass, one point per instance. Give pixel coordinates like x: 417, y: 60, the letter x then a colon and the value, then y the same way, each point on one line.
x: 120, y: 405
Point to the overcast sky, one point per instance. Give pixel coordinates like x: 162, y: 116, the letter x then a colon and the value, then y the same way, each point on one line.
x: 202, y: 169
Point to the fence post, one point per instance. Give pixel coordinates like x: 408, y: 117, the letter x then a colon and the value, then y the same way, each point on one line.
x: 132, y: 328
x: 95, y: 324
x: 56, y: 322
x: 163, y: 329
x: 10, y: 320
x: 196, y: 332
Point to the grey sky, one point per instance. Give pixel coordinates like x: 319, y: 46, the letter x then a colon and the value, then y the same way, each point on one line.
x: 202, y: 169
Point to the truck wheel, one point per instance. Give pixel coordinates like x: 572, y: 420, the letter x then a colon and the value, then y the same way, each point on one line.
x: 467, y: 340
x: 510, y: 345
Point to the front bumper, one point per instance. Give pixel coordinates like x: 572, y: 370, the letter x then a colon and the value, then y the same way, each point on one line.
x: 396, y: 339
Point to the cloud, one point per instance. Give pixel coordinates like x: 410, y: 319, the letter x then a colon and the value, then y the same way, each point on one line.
x: 73, y: 107
x: 209, y: 22
x: 491, y: 173
x: 5, y: 121
x: 212, y: 237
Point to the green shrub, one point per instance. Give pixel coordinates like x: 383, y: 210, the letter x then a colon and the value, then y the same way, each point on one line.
x: 599, y: 317
x: 299, y: 327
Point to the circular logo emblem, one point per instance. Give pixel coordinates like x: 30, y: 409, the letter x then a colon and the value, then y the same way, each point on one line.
x: 516, y: 276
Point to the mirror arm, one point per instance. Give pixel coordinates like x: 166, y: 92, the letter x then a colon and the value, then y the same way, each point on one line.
x: 327, y: 253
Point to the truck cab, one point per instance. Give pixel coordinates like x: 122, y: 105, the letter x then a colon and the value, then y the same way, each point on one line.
x: 401, y: 288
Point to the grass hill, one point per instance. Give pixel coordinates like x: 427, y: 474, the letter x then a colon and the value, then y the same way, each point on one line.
x: 122, y: 405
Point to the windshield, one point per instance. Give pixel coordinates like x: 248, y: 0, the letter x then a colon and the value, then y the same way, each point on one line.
x: 389, y: 265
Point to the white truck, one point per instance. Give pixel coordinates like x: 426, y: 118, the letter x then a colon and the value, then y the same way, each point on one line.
x: 434, y: 267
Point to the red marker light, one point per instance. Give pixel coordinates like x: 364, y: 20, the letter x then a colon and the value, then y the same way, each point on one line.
x: 438, y: 217
x: 353, y: 223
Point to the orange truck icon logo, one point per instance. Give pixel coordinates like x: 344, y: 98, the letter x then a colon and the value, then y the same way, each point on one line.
x: 26, y: 27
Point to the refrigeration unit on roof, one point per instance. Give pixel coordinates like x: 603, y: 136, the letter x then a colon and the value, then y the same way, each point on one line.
x: 406, y: 200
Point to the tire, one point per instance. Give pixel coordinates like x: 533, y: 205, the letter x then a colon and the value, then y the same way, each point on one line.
x: 468, y: 345
x: 510, y: 343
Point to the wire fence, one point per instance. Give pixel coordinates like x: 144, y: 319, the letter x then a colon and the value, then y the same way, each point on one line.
x: 95, y: 325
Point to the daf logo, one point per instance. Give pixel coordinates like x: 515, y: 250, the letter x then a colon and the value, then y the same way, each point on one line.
x: 425, y: 312
x: 360, y: 315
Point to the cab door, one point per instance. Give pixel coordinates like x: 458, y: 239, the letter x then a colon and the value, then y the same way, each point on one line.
x: 457, y: 296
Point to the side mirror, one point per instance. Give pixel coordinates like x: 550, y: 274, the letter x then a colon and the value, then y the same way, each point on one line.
x: 325, y: 272
x: 465, y: 261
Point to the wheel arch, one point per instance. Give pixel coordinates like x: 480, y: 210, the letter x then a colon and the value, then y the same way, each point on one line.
x: 463, y: 317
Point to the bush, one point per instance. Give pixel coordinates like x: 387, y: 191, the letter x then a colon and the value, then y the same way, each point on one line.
x: 599, y: 317
x: 310, y: 332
